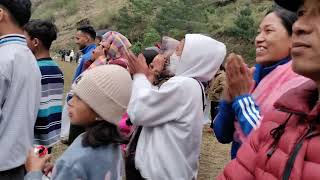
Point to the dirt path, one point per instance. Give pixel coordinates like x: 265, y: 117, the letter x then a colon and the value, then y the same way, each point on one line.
x: 213, y: 156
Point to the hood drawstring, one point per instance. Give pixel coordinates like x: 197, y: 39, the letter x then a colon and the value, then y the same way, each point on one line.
x: 276, y: 134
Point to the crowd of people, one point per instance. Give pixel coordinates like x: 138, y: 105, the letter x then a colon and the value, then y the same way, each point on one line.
x: 142, y: 116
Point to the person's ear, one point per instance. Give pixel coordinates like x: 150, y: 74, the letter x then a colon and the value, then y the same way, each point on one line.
x: 150, y: 66
x: 88, y: 38
x: 2, y: 14
x: 36, y: 42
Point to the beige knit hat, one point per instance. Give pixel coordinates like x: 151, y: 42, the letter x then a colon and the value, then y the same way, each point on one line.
x: 107, y: 90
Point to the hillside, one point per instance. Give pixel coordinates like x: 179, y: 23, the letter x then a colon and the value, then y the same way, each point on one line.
x: 145, y: 21
x: 66, y: 13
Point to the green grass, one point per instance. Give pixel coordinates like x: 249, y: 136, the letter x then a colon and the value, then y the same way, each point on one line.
x: 68, y: 70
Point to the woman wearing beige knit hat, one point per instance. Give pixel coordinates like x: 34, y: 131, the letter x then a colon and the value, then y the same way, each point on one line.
x: 101, y: 96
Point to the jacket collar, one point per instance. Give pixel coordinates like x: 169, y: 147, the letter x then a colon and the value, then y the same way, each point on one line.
x: 302, y: 100
x: 13, y: 39
x: 262, y: 71
x: 88, y: 48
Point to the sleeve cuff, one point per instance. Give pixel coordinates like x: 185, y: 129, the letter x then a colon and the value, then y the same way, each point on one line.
x: 139, y: 76
x: 33, y: 175
x: 241, y: 97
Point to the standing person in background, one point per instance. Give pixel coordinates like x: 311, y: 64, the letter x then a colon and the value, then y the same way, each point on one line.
x: 71, y: 55
x: 214, y: 92
x: 40, y: 35
x: 85, y: 39
x: 77, y: 56
x: 20, y: 89
x: 62, y: 54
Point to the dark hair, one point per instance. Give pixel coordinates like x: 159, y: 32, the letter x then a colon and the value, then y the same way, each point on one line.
x: 88, y: 30
x: 149, y: 54
x: 45, y: 31
x: 99, y: 38
x: 287, y: 17
x: 102, y: 133
x: 101, y: 32
x: 20, y: 10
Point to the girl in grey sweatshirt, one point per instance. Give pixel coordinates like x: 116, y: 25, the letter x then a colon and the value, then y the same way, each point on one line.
x: 101, y: 96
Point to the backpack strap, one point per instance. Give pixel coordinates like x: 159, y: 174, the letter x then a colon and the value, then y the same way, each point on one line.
x: 203, y: 96
x: 289, y: 166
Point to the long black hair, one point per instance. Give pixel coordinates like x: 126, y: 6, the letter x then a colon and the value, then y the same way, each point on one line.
x: 288, y: 18
x: 102, y: 133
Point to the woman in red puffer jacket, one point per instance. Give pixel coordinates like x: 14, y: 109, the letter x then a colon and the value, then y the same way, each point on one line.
x: 287, y: 144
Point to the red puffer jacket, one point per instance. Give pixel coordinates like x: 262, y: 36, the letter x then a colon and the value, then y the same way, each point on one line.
x: 287, y: 145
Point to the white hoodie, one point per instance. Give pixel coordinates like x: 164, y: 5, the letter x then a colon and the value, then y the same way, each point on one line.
x: 169, y: 144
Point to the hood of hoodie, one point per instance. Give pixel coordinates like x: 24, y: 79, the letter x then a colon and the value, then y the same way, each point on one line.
x: 201, y: 57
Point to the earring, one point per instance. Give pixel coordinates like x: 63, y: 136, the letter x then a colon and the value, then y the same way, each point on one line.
x: 98, y: 118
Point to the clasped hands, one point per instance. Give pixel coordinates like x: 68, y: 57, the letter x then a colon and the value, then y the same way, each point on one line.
x: 239, y: 79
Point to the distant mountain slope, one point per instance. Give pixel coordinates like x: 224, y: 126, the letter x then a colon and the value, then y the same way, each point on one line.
x: 231, y: 21
x: 66, y: 14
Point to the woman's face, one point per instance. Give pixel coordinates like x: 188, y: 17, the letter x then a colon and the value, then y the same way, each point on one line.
x: 80, y: 113
x: 273, y: 42
x: 158, y: 64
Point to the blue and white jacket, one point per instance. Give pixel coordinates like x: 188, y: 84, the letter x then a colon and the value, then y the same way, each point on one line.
x: 243, y: 109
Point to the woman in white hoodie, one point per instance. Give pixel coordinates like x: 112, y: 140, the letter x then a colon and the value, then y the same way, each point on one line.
x: 171, y: 116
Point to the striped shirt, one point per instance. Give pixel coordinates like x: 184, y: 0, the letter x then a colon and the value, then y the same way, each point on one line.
x: 48, y: 124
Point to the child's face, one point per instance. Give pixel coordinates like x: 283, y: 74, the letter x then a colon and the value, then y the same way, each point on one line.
x: 80, y: 113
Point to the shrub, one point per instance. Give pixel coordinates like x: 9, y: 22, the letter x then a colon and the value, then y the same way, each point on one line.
x: 136, y: 47
x: 150, y: 37
x: 244, y: 26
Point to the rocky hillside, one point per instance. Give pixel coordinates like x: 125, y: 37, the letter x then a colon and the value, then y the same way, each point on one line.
x: 144, y: 21
x: 67, y: 13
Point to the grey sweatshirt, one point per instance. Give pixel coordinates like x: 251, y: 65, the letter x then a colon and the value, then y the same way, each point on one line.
x: 19, y: 100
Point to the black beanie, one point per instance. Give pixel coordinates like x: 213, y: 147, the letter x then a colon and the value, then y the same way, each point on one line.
x: 291, y: 5
x: 149, y: 54
x: 19, y: 9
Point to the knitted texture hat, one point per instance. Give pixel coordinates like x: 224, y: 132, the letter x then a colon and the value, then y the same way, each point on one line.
x: 107, y: 90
